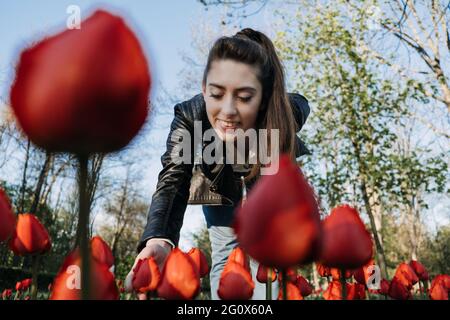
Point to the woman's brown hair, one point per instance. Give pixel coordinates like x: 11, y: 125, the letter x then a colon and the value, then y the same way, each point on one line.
x: 256, y: 49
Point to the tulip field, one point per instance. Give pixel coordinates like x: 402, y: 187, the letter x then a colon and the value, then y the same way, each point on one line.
x: 281, y: 224
x: 290, y: 234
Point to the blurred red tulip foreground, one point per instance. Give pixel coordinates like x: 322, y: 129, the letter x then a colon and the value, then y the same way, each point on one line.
x: 335, y: 260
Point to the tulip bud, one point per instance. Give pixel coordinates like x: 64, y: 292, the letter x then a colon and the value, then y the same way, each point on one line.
x: 67, y: 284
x: 200, y: 261
x: 356, y: 291
x: 30, y: 236
x: 419, y: 269
x: 7, y: 217
x: 235, y: 282
x: 398, y: 291
x: 322, y: 270
x: 180, y: 279
x: 238, y: 255
x: 101, y: 251
x: 262, y: 273
x: 26, y: 283
x: 292, y: 292
x: 346, y: 242
x: 83, y: 91
x: 146, y: 276
x: 406, y: 275
x: 440, y: 287
x: 279, y: 224
x: 304, y: 286
x: 384, y: 287
x: 334, y: 291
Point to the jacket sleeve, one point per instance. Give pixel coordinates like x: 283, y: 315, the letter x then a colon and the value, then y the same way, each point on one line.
x: 300, y: 107
x: 169, y: 201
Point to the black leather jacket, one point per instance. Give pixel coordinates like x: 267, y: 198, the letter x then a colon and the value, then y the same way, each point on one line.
x: 214, y: 184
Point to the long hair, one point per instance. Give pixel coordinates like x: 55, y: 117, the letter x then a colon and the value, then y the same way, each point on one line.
x: 256, y: 49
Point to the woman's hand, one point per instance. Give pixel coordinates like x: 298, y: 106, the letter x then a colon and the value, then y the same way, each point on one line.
x: 156, y: 248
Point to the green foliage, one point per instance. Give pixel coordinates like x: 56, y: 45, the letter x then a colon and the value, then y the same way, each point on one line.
x: 357, y: 114
x: 201, y: 241
x: 60, y: 233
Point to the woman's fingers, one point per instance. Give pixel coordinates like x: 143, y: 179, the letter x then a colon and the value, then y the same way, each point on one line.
x: 142, y: 296
x: 158, y: 252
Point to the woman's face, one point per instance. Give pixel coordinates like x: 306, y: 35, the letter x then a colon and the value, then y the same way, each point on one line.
x: 233, y: 96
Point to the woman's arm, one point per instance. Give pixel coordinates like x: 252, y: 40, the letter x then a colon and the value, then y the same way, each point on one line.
x: 169, y: 201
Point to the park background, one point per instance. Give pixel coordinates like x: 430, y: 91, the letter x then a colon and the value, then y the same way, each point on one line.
x: 376, y: 74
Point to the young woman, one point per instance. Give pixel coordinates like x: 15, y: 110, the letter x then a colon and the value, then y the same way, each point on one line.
x: 243, y: 87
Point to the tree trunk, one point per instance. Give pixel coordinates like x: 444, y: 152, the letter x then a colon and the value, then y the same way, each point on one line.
x: 42, y: 177
x: 380, y: 251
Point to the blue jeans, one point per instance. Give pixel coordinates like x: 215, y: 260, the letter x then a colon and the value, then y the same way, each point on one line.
x: 223, y: 241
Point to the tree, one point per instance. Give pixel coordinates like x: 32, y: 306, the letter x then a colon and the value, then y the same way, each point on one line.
x: 356, y: 111
x: 126, y: 215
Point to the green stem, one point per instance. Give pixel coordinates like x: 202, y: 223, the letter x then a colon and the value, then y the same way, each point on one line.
x: 83, y: 226
x: 284, y: 283
x: 35, y: 272
x: 343, y: 284
x: 269, y: 284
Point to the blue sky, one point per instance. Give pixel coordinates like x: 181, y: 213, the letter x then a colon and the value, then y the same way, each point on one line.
x: 162, y: 26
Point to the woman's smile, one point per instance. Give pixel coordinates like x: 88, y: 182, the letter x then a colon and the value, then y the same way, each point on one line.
x: 226, y: 125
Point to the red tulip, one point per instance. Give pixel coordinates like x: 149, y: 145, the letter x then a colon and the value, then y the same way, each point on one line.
x: 346, y: 242
x: 26, y: 283
x: 30, y: 236
x: 101, y: 251
x: 361, y: 275
x: 279, y: 224
x: 322, y: 270
x: 291, y: 275
x: 304, y: 286
x: 200, y: 261
x: 235, y: 282
x: 262, y: 273
x: 67, y: 284
x: 356, y: 291
x: 7, y: 217
x: 180, y: 279
x: 292, y: 292
x: 19, y: 286
x: 438, y: 292
x: 6, y: 294
x: 238, y: 255
x: 419, y: 269
x: 398, y: 291
x: 440, y: 287
x: 334, y: 291
x: 146, y: 275
x: 406, y: 275
x: 384, y: 287
x: 336, y: 273
x: 444, y: 278
x: 92, y: 99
